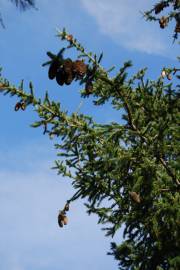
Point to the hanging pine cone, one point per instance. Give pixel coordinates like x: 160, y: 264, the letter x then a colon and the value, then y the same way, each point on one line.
x: 163, y: 22
x: 159, y: 7
x: 79, y: 69
x: 54, y: 66
x: 62, y: 219
x: 60, y: 76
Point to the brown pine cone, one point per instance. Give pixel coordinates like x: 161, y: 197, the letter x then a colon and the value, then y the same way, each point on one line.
x: 135, y: 197
x: 163, y: 22
x: 60, y: 77
x: 79, y: 69
x: 54, y: 66
x: 68, y: 78
x: 68, y: 69
x: 68, y: 65
x: 17, y: 106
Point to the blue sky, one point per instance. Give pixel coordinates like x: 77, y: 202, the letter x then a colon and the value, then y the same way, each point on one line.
x: 30, y: 192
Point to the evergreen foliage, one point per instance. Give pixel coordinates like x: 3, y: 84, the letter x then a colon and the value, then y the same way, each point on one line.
x: 134, y: 164
x: 22, y: 5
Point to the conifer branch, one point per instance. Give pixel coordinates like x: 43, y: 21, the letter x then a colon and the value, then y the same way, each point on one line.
x: 169, y: 171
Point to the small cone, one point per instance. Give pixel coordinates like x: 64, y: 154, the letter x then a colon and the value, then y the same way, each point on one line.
x: 17, y: 106
x: 23, y: 106
x: 163, y: 22
x: 135, y: 197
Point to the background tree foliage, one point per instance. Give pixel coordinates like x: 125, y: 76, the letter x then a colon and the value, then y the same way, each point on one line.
x: 134, y: 164
x: 22, y: 5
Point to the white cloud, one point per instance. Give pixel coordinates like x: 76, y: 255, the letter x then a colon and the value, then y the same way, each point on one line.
x: 122, y: 21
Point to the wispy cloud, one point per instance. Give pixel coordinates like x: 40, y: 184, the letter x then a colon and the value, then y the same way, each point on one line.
x: 122, y: 21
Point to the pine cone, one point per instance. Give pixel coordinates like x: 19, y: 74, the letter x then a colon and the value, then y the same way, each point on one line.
x: 79, y: 69
x: 68, y: 78
x: 23, y: 106
x: 159, y: 7
x: 68, y: 65
x: 17, y: 106
x: 68, y: 69
x: 135, y: 197
x: 60, y: 77
x: 53, y: 69
x: 163, y: 22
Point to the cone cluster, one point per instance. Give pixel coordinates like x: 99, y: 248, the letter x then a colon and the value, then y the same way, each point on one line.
x: 66, y: 71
